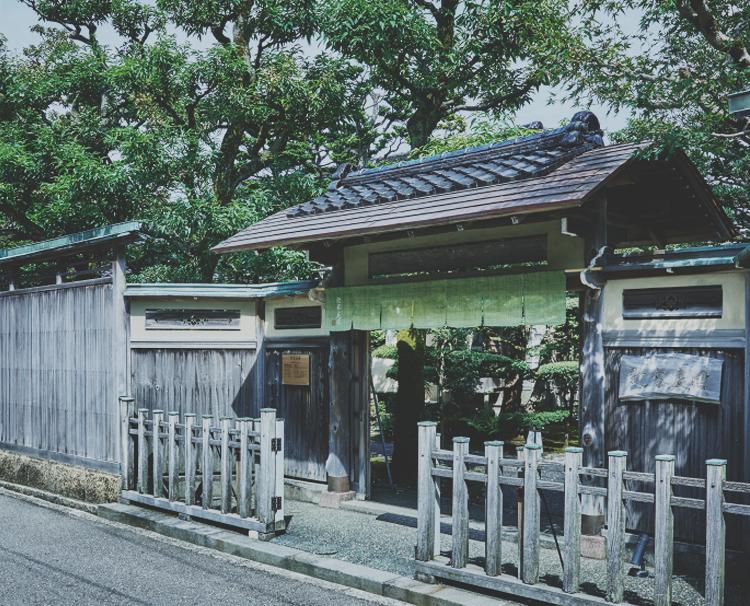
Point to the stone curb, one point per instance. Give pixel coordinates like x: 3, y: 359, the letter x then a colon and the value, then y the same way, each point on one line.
x: 356, y: 576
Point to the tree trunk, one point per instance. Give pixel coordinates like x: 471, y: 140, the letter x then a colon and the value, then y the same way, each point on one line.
x: 409, y: 408
x: 422, y: 123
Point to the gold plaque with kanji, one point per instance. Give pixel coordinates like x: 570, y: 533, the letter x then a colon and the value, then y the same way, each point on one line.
x: 295, y: 369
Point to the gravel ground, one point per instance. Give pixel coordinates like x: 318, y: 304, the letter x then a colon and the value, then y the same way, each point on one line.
x: 55, y: 556
x: 387, y: 542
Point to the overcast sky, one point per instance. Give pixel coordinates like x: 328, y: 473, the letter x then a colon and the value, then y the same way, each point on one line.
x: 16, y: 20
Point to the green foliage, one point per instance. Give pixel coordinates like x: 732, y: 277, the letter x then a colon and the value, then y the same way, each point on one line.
x: 198, y: 143
x: 432, y: 60
x: 464, y: 368
x: 389, y: 352
x: 386, y: 420
x: 673, y: 74
x: 461, y: 134
x: 563, y: 373
x: 508, y: 425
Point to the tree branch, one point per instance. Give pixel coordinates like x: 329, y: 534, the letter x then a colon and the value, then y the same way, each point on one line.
x: 699, y: 15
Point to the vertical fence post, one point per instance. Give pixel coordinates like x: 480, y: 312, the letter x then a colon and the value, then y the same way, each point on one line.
x: 142, y: 452
x: 126, y: 459
x: 437, y: 483
x: 425, y: 491
x: 572, y: 523
x: 266, y: 479
x: 493, y: 510
x: 189, y: 450
x: 225, y: 467
x: 460, y: 550
x: 245, y: 462
x: 172, y: 454
x: 279, y: 472
x: 716, y: 472
x: 156, y: 452
x: 530, y: 572
x: 520, y: 456
x: 663, y: 531
x: 255, y: 467
x: 208, y: 463
x: 615, y: 526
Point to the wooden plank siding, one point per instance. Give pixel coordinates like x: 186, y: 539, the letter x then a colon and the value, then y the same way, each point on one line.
x: 216, y: 382
x: 305, y: 409
x: 693, y: 432
x: 57, y: 394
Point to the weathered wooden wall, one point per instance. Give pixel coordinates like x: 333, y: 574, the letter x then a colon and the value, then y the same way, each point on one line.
x: 57, y: 389
x: 218, y: 382
x: 693, y: 432
x: 304, y: 408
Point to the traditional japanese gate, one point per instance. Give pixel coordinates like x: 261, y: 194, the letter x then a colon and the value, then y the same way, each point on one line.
x: 494, y: 470
x: 172, y: 464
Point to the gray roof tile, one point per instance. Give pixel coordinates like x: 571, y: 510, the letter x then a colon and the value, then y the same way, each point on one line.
x: 491, y: 164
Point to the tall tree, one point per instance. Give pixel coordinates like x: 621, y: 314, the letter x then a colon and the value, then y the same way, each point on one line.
x: 673, y: 73
x: 201, y: 118
x: 431, y: 59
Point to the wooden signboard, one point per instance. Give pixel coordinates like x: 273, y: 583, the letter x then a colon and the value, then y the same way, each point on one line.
x: 670, y: 376
x: 295, y: 369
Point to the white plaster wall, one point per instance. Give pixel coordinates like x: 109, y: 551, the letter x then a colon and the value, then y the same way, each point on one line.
x: 732, y: 316
x: 138, y: 330
x: 564, y: 252
x: 296, y: 301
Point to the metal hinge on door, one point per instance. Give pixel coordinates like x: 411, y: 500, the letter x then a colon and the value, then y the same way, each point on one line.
x: 275, y: 444
x: 276, y: 503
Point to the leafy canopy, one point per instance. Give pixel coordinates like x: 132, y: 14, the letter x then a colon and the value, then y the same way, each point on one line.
x: 431, y: 59
x: 673, y: 74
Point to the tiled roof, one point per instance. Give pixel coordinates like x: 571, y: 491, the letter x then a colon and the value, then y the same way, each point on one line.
x: 550, y: 171
x: 512, y: 160
x: 565, y: 187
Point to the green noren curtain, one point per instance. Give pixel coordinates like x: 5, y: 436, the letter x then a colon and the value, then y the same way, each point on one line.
x: 509, y: 300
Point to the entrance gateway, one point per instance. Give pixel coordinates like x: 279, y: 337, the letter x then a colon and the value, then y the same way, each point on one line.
x: 502, y: 217
x: 461, y: 238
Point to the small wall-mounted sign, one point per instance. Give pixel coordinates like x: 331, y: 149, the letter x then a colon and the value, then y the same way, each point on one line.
x: 670, y: 376
x: 295, y: 369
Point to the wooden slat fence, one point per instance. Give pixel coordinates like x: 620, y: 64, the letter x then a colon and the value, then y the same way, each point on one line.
x: 58, y: 373
x: 228, y: 470
x: 463, y: 468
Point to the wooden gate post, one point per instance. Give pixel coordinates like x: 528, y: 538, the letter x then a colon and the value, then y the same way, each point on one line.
x: 142, y: 452
x: 158, y: 480
x: 493, y: 510
x: 172, y: 454
x: 279, y: 475
x: 208, y: 463
x: 530, y: 562
x: 663, y: 531
x: 265, y: 481
x: 425, y: 492
x: 572, y: 524
x: 460, y: 551
x: 189, y: 449
x: 126, y: 458
x: 616, y: 526
x: 225, y: 467
x: 716, y: 472
x: 245, y: 468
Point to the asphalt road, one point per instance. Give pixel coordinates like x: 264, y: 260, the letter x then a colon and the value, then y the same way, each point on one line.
x: 62, y: 557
